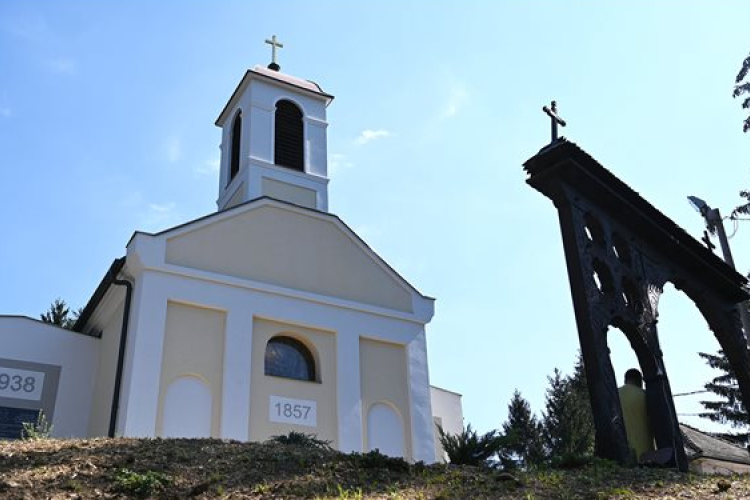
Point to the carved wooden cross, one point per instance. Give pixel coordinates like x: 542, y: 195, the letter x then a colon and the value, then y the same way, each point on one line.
x: 552, y: 113
x: 707, y: 240
x: 274, y: 44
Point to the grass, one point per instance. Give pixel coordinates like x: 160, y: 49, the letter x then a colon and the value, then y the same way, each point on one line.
x: 206, y: 468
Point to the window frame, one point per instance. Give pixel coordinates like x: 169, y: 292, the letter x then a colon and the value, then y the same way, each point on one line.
x: 303, y: 350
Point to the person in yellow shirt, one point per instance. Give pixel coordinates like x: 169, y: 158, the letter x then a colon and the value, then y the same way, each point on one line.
x: 635, y: 413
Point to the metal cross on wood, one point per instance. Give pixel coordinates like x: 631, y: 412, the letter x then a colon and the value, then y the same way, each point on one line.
x: 552, y: 113
x: 274, y: 44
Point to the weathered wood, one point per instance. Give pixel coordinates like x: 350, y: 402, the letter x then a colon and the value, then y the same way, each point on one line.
x: 620, y: 252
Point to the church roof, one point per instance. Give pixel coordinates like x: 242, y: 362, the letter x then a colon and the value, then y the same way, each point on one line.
x: 261, y: 73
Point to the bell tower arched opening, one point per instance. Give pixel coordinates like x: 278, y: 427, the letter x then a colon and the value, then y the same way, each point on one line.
x: 236, y: 147
x: 289, y: 136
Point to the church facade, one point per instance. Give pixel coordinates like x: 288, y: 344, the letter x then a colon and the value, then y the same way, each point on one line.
x: 267, y: 316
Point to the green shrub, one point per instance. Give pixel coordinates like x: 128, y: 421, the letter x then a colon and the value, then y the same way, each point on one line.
x: 571, y: 461
x: 41, y: 429
x: 469, y: 448
x: 140, y: 485
x: 301, y: 439
x: 376, y: 460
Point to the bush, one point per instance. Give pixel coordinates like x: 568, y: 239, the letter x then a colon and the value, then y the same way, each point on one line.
x: 301, y: 439
x: 376, y: 460
x: 469, y: 448
x: 571, y: 461
x: 140, y: 485
x: 41, y: 429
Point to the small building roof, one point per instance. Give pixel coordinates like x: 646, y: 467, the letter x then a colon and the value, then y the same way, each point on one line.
x: 699, y: 444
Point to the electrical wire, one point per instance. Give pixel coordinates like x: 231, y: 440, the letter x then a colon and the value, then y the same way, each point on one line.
x: 690, y: 393
x: 735, y: 227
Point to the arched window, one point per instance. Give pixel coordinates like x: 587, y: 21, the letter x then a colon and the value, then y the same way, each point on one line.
x: 234, y: 165
x: 288, y: 357
x: 289, y: 136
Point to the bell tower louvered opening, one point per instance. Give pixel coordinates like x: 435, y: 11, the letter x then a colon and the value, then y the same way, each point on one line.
x: 289, y: 136
x: 236, y: 140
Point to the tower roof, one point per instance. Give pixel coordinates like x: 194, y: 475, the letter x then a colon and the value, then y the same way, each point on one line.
x: 265, y: 74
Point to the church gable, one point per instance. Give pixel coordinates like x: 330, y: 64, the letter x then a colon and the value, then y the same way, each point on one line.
x: 287, y: 247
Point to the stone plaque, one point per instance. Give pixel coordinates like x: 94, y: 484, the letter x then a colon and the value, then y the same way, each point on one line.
x: 293, y: 411
x: 25, y: 389
x: 21, y: 384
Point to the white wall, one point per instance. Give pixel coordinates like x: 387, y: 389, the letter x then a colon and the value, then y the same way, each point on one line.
x: 447, y: 410
x: 27, y: 340
x: 447, y: 406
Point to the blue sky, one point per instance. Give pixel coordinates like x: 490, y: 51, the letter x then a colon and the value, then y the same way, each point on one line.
x: 106, y: 127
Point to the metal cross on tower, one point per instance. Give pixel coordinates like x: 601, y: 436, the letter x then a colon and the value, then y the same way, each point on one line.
x: 274, y: 44
x: 555, y: 118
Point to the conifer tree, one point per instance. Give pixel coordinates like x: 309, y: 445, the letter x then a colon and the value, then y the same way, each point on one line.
x: 59, y: 314
x: 729, y: 409
x: 523, y: 433
x: 568, y: 424
x: 742, y: 86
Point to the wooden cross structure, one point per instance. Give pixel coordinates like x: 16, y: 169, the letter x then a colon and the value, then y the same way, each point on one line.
x: 707, y: 240
x: 555, y: 118
x: 620, y: 252
x: 274, y: 45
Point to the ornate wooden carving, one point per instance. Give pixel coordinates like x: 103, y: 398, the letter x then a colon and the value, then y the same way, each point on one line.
x: 620, y: 252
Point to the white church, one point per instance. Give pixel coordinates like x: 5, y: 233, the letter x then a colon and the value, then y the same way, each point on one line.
x: 267, y: 316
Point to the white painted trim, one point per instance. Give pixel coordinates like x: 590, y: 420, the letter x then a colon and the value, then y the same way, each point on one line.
x: 446, y: 390
x: 349, y: 396
x: 318, y: 122
x: 293, y: 100
x: 233, y: 187
x: 423, y: 444
x: 201, y: 275
x: 259, y: 105
x: 138, y: 414
x: 238, y: 344
x: 286, y: 171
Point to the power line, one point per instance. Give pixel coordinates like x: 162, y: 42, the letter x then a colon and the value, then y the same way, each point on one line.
x: 690, y: 393
x: 703, y: 391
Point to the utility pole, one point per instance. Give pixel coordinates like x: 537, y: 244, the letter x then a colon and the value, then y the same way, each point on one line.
x: 714, y: 224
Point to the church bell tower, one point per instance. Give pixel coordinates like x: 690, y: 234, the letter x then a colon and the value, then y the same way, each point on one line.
x: 273, y: 139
